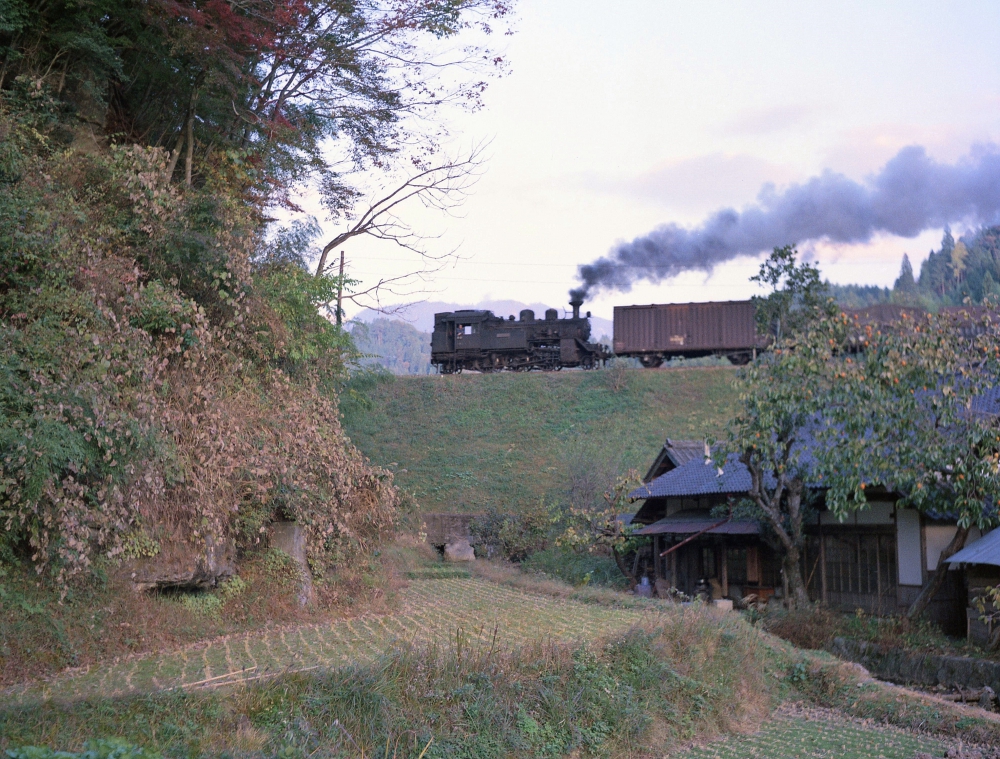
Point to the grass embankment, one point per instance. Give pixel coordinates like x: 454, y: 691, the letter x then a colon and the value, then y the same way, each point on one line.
x: 498, y: 665
x: 666, y: 679
x: 816, y: 627
x: 468, y: 442
x: 104, y: 618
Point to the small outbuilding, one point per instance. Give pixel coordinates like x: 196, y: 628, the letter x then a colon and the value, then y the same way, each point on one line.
x: 981, y: 562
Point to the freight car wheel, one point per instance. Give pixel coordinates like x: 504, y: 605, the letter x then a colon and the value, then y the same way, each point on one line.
x: 651, y: 362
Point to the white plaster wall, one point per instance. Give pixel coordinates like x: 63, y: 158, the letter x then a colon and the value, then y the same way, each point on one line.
x: 937, y: 537
x: 908, y: 547
x: 876, y: 513
x: 873, y: 513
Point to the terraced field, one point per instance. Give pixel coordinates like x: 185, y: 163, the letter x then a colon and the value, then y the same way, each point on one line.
x: 797, y: 733
x: 436, y: 610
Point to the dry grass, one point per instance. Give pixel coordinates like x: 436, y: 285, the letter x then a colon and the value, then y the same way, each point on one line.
x: 102, y: 621
x: 506, y: 573
x: 622, y: 693
x: 812, y: 627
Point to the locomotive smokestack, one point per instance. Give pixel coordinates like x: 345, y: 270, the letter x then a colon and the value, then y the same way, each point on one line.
x: 576, y: 303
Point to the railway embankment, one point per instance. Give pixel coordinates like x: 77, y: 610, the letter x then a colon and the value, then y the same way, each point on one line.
x: 473, y: 441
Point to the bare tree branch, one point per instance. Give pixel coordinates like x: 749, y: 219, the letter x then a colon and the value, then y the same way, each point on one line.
x: 443, y: 186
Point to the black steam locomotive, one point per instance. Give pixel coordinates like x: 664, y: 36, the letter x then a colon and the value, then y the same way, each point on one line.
x: 480, y: 341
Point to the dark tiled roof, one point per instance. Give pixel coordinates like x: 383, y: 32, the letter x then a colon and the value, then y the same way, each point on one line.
x: 698, y: 478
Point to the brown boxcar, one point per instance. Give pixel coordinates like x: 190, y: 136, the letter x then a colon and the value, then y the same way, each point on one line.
x: 657, y: 332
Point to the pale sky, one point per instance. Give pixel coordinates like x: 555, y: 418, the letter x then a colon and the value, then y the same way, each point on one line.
x: 618, y: 117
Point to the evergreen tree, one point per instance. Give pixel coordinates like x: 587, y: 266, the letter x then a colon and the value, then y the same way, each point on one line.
x: 905, y: 283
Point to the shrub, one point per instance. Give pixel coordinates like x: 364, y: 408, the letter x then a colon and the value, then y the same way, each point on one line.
x: 576, y: 567
x: 516, y: 535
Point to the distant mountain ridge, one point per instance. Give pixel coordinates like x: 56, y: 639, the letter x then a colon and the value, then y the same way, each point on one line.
x: 421, y: 315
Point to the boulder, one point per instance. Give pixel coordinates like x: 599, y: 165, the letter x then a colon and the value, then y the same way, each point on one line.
x: 180, y: 564
x: 290, y: 538
x: 458, y: 551
x: 987, y: 699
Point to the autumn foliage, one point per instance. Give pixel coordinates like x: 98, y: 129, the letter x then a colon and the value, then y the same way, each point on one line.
x: 159, y: 378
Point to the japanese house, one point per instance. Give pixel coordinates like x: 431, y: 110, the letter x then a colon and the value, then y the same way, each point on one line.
x: 876, y: 560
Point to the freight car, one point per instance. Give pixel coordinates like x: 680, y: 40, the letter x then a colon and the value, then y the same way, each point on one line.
x: 655, y: 333
x: 480, y: 341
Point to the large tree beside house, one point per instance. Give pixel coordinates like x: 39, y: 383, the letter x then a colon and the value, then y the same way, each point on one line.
x: 840, y: 407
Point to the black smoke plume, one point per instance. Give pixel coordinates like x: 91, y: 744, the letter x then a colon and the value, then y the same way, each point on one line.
x: 910, y: 194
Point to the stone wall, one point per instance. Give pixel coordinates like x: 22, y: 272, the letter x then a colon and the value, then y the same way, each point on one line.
x: 908, y: 668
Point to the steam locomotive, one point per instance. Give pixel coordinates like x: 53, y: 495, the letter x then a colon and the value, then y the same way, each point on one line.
x: 480, y: 341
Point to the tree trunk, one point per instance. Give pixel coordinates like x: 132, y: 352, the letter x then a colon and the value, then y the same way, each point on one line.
x: 175, y: 155
x: 340, y: 292
x: 623, y: 567
x: 936, y: 580
x: 791, y: 565
x: 189, y: 158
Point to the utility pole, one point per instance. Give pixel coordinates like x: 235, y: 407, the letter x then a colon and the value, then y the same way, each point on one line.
x: 340, y: 291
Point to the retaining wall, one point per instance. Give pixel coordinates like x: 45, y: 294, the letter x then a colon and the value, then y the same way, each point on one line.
x: 908, y: 668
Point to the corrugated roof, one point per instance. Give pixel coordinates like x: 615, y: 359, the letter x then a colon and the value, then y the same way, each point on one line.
x: 698, y: 478
x: 986, y: 550
x: 678, y: 524
x: 683, y: 451
x: 672, y: 455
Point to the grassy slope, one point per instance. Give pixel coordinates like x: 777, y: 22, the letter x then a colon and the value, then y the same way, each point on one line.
x: 470, y: 441
x: 469, y: 688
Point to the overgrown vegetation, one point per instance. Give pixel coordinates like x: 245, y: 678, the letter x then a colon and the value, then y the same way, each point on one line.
x: 156, y: 379
x: 663, y: 681
x: 815, y: 627
x: 101, y: 617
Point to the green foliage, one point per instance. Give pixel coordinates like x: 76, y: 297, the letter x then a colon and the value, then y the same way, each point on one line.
x: 956, y: 273
x: 575, y: 567
x: 859, y: 296
x: 988, y: 606
x: 108, y: 748
x: 152, y: 71
x: 138, y: 544
x: 601, y: 529
x: 516, y: 535
x: 300, y: 338
x: 797, y: 294
x: 203, y: 604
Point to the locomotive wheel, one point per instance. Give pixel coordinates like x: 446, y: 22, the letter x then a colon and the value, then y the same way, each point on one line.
x: 651, y: 362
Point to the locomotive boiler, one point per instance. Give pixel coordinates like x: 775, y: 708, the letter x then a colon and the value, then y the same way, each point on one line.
x: 480, y: 341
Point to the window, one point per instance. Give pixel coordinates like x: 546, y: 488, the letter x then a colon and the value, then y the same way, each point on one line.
x: 467, y: 329
x: 858, y: 565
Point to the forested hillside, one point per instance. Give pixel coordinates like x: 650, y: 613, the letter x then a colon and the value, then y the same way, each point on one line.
x: 966, y: 269
x: 398, y: 346
x: 168, y: 385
